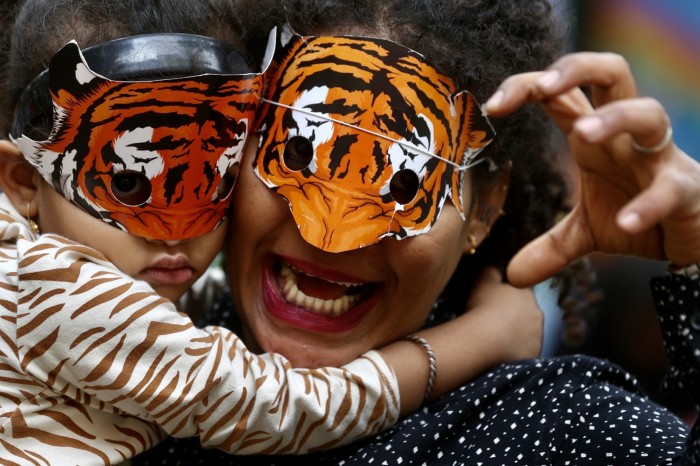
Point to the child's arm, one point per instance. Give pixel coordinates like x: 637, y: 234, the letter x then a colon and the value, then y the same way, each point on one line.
x: 103, y: 339
x: 121, y: 344
x: 503, y: 323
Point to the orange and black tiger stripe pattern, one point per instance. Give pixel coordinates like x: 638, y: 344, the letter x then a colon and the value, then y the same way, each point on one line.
x: 155, y: 158
x: 364, y: 139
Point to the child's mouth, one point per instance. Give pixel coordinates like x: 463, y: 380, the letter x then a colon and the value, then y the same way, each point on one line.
x: 165, y: 276
x: 169, y: 270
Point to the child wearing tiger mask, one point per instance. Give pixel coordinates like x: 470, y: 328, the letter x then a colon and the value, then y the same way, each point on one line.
x: 134, y: 180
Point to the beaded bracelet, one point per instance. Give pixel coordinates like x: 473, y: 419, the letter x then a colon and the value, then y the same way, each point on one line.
x: 432, y: 363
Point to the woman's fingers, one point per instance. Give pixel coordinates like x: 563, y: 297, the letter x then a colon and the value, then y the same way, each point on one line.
x: 651, y: 206
x: 521, y: 88
x: 640, y: 194
x: 551, y: 252
x: 644, y: 119
x: 659, y: 221
x: 608, y: 75
x: 564, y: 108
x: 513, y: 92
x: 672, y: 202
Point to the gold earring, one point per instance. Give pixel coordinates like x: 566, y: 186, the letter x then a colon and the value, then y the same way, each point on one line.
x: 472, y: 241
x: 34, y: 227
x: 32, y: 224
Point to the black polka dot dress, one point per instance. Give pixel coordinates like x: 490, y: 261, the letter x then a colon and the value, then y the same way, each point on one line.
x: 573, y: 410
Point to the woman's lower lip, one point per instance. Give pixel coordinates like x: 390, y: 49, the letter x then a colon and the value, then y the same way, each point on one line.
x: 163, y: 276
x: 304, y: 319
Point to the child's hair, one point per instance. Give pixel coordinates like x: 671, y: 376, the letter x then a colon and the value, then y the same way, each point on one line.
x: 35, y: 30
x: 478, y: 43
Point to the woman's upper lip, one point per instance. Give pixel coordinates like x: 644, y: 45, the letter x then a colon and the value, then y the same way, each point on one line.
x: 315, y: 270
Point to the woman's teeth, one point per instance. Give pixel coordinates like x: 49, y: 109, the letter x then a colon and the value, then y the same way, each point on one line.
x: 293, y: 295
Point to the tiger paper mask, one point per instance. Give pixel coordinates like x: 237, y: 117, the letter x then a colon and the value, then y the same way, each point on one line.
x: 156, y: 158
x: 364, y: 139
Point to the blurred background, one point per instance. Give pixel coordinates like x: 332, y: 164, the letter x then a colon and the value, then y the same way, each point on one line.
x: 661, y: 41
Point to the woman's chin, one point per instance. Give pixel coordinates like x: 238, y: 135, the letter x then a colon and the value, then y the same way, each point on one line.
x: 310, y: 354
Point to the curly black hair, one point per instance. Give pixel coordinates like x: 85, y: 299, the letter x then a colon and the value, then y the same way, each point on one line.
x: 477, y: 43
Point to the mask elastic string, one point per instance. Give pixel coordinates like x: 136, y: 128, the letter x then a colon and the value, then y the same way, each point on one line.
x: 470, y: 161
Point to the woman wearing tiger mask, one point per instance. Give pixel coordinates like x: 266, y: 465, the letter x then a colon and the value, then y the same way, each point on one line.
x: 128, y: 149
x: 363, y: 91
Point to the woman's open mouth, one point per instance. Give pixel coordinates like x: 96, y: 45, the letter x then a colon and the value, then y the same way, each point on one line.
x: 334, y: 298
x: 315, y: 300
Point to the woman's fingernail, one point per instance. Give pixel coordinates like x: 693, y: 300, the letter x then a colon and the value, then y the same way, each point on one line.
x: 548, y: 78
x: 589, y: 127
x: 494, y: 101
x: 630, y: 221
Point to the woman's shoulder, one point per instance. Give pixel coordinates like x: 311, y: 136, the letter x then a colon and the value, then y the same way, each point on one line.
x: 539, y: 411
x: 566, y: 371
x: 549, y: 390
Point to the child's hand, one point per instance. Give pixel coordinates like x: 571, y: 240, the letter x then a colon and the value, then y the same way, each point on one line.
x: 509, y: 319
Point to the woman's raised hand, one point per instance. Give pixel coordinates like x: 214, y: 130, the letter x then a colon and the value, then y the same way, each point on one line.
x: 640, y: 194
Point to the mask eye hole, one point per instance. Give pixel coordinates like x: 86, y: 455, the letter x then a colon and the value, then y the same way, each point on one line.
x: 298, y: 153
x: 227, y: 182
x: 404, y: 186
x: 131, y: 188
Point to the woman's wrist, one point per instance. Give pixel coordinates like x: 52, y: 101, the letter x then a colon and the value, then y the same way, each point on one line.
x: 432, y: 364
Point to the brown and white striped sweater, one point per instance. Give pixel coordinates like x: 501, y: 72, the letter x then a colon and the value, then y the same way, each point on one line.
x: 95, y: 367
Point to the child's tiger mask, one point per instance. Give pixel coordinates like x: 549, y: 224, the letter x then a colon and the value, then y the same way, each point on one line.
x: 155, y: 158
x: 364, y: 139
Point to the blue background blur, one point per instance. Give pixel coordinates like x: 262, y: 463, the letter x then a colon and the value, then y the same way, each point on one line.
x: 661, y: 40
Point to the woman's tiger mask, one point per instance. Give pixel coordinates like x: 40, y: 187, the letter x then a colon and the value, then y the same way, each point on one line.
x: 364, y: 139
x: 155, y: 158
